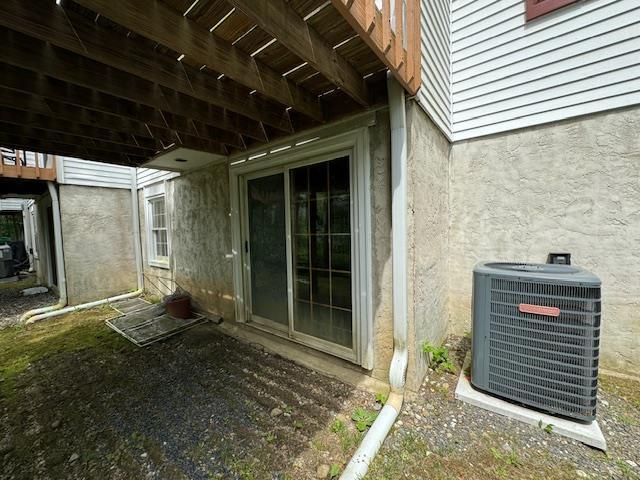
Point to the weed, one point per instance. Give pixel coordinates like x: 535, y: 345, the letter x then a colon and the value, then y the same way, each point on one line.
x: 270, y: 437
x: 549, y: 428
x: 334, y: 471
x: 382, y: 398
x: 363, y: 418
x: 338, y: 426
x: 627, y: 473
x: 298, y: 425
x: 440, y: 361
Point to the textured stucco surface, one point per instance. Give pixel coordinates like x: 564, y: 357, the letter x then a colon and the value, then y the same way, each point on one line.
x: 380, y: 151
x: 567, y: 187
x: 97, y: 235
x: 427, y: 238
x: 201, y: 239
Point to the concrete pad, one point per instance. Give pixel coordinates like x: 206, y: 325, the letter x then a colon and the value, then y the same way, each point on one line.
x: 34, y: 291
x: 587, y: 433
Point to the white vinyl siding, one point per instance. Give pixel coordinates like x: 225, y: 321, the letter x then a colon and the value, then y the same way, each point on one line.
x: 149, y: 176
x: 12, y: 204
x: 74, y: 171
x: 508, y: 73
x: 435, y: 93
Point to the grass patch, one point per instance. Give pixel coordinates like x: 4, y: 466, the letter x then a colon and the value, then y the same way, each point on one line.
x: 20, y: 346
x: 30, y: 281
x: 413, y: 457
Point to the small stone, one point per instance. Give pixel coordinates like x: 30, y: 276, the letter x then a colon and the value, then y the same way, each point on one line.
x: 143, y: 455
x: 55, y: 424
x: 6, y: 446
x: 507, y: 448
x: 276, y: 412
x: 377, y: 406
x: 73, y: 457
x: 323, y: 471
x: 581, y: 474
x: 604, y: 402
x: 631, y: 463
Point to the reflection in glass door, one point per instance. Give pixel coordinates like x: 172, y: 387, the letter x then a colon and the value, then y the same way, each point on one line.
x: 266, y: 250
x: 316, y: 230
x: 321, y: 216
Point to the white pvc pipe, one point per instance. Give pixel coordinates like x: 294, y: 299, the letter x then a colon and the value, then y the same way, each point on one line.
x: 137, y: 247
x: 359, y: 463
x: 60, y: 266
x: 83, y: 306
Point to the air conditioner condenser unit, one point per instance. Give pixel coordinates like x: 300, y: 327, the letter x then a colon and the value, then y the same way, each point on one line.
x: 536, y: 336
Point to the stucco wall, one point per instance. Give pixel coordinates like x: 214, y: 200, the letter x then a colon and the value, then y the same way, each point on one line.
x: 98, y: 242
x: 428, y: 209
x: 201, y: 239
x: 567, y: 187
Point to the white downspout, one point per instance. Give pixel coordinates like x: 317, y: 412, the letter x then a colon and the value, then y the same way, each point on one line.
x: 137, y: 247
x: 60, y: 267
x: 359, y: 463
x: 56, y: 310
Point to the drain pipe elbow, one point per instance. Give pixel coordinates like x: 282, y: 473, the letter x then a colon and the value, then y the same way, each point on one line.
x: 60, y: 265
x: 359, y: 464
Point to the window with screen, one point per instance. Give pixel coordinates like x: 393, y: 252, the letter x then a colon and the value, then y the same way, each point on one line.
x: 158, y: 231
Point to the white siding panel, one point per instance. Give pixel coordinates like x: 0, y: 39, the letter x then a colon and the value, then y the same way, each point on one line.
x: 435, y: 93
x: 12, y: 204
x: 507, y: 73
x: 149, y: 176
x: 94, y: 174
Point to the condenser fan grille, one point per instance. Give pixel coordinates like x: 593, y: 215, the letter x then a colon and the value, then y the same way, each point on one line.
x: 567, y: 343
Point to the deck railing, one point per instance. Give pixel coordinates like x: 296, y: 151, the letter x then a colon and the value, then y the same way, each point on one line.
x: 27, y: 165
x: 391, y: 28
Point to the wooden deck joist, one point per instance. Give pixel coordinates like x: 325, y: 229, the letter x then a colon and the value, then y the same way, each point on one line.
x: 120, y: 80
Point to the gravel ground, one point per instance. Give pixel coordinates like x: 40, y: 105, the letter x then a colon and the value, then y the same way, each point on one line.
x: 79, y: 401
x: 13, y: 304
x: 439, y: 437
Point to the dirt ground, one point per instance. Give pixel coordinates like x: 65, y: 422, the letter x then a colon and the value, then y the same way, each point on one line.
x: 77, y: 401
x: 13, y: 304
x: 438, y: 437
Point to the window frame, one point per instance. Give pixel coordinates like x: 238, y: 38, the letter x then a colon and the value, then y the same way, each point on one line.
x: 154, y: 194
x: 542, y: 7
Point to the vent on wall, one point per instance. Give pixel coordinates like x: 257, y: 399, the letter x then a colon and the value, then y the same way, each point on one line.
x: 536, y: 336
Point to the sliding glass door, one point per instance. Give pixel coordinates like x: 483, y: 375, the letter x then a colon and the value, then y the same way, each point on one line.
x: 298, y: 253
x: 265, y: 249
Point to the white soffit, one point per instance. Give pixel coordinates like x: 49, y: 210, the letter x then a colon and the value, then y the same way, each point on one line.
x: 183, y: 160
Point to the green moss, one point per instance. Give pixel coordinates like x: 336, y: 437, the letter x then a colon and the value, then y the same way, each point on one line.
x: 21, y: 346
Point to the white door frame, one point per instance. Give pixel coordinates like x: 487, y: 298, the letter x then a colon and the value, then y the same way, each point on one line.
x: 355, y: 143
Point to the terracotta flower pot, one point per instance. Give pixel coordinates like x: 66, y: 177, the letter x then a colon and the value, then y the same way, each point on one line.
x: 179, y: 307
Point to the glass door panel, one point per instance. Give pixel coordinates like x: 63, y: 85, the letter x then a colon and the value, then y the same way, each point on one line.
x: 267, y: 248
x: 321, y: 242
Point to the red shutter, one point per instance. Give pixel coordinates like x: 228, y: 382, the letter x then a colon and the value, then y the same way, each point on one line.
x: 535, y: 8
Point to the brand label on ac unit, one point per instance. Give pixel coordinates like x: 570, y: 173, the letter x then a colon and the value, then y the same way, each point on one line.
x: 539, y: 310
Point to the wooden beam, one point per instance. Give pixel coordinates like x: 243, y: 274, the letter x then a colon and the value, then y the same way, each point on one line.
x: 57, y: 148
x: 69, y: 139
x: 161, y: 23
x: 47, y: 21
x: 56, y: 124
x: 281, y: 21
x: 39, y: 57
x: 120, y: 114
